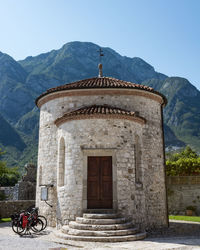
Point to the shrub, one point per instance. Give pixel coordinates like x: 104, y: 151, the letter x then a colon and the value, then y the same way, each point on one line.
x: 186, y: 162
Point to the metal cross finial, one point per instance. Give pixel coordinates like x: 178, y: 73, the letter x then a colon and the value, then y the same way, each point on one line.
x: 100, y: 54
x: 100, y: 64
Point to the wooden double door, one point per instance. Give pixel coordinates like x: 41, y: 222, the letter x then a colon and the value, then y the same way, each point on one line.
x: 99, y: 182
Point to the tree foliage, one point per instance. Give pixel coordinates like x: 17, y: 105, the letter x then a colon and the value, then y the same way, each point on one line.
x: 187, y: 162
x: 8, y: 176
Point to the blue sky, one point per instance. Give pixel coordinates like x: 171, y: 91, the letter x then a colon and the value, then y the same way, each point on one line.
x: 166, y: 34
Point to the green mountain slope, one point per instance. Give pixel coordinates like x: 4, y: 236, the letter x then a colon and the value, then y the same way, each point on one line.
x: 11, y: 142
x: 182, y: 113
x: 15, y: 98
x: 9, y: 136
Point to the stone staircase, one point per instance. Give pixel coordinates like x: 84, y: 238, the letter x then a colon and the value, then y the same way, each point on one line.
x: 101, y: 227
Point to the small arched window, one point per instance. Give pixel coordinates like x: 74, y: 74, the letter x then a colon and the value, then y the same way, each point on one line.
x: 61, y: 163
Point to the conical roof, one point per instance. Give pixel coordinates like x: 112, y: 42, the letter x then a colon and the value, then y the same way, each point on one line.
x: 99, y: 111
x: 98, y: 83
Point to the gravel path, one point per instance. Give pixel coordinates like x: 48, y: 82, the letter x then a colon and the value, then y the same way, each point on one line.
x: 13, y: 242
x: 47, y: 241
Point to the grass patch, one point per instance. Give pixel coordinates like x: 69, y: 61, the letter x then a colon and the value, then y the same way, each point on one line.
x: 5, y: 220
x: 185, y: 218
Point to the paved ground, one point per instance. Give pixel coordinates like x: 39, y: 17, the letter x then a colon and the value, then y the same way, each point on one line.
x: 47, y: 241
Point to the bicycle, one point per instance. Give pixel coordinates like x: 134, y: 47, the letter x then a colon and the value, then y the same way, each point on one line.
x: 34, y: 211
x: 24, y: 221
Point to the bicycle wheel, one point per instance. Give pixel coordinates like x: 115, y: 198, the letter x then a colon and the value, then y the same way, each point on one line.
x: 44, y: 220
x: 20, y: 230
x: 17, y: 227
x: 14, y: 225
x: 37, y: 226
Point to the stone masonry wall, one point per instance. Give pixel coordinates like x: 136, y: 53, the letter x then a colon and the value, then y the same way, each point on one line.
x: 183, y: 191
x: 25, y: 188
x: 116, y: 135
x: 8, y: 191
x: 7, y: 208
x: 144, y: 200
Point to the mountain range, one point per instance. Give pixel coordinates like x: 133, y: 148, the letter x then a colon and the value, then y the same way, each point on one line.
x: 22, y: 81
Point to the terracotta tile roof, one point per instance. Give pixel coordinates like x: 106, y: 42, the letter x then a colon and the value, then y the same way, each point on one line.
x: 99, y: 82
x: 101, y: 111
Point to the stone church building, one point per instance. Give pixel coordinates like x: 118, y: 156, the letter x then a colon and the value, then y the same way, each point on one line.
x: 101, y: 156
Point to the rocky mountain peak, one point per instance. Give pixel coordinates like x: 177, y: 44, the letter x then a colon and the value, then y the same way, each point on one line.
x: 11, y: 69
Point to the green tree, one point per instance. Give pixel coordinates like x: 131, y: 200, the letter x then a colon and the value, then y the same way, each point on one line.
x: 187, y: 152
x: 8, y: 176
x: 187, y: 162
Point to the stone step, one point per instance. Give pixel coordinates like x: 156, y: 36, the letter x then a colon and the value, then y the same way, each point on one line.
x: 65, y: 229
x: 100, y: 221
x: 75, y: 225
x: 138, y: 236
x: 107, y: 233
x: 100, y: 211
x: 100, y: 216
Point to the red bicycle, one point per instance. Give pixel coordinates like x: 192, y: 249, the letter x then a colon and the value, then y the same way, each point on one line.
x: 25, y: 221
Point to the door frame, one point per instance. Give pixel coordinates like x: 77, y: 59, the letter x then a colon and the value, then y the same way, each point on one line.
x: 99, y: 152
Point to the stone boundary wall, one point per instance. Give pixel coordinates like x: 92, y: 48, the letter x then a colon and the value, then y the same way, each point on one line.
x: 7, y: 208
x: 8, y: 191
x: 183, y: 191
